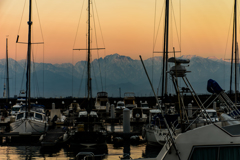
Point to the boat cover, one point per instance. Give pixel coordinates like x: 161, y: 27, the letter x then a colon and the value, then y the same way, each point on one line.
x: 213, y: 87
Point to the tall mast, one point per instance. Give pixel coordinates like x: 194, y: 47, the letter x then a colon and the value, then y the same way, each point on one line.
x: 7, y: 94
x: 235, y: 26
x: 89, y: 58
x: 28, y: 83
x: 165, y: 49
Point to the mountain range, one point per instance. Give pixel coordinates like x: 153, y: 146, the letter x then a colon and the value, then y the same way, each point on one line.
x: 111, y: 73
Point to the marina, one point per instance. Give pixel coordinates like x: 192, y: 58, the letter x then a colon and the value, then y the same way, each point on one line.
x: 158, y: 114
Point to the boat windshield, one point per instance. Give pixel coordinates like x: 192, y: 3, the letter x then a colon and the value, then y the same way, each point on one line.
x: 120, y: 104
x: 19, y: 116
x: 38, y: 116
x: 212, y: 114
x: 144, y: 105
x: 16, y: 109
x: 103, y: 103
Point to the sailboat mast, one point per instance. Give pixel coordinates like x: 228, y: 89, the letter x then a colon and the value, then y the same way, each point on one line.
x: 165, y: 49
x: 235, y: 20
x: 7, y: 70
x: 166, y: 39
x: 89, y: 56
x: 28, y: 83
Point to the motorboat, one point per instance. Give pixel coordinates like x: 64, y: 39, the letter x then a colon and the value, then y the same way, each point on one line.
x: 120, y: 105
x: 145, y: 107
x: 129, y: 99
x: 101, y: 101
x: 128, y: 102
x: 89, y: 131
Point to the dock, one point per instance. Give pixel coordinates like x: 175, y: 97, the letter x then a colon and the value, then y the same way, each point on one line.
x: 53, y: 137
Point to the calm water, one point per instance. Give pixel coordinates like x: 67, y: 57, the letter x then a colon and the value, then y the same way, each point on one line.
x: 36, y: 152
x: 29, y: 151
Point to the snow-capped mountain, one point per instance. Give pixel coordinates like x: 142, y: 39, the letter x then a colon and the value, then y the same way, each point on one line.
x: 111, y: 73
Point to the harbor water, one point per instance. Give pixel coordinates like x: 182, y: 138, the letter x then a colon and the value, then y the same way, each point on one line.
x: 29, y: 152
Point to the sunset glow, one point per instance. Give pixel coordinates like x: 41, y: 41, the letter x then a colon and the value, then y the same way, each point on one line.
x: 127, y: 28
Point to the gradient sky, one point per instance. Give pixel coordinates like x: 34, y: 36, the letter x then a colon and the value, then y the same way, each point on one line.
x: 127, y: 27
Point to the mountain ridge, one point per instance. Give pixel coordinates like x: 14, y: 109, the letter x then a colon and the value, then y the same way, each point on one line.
x: 111, y: 72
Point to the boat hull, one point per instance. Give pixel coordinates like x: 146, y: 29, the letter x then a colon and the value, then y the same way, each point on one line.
x: 28, y: 126
x: 154, y: 137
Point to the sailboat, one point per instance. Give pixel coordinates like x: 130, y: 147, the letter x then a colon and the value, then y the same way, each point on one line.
x: 89, y: 130
x: 155, y: 130
x: 31, y: 119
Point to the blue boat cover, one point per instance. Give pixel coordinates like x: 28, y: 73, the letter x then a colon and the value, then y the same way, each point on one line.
x: 213, y: 87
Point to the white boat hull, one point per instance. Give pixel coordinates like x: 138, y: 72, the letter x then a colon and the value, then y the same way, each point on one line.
x: 154, y: 136
x: 27, y: 126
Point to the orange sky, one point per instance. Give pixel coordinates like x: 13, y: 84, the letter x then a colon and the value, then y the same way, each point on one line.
x: 127, y: 27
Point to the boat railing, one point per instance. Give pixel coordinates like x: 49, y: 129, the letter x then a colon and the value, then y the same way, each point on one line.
x: 102, y: 94
x: 129, y: 94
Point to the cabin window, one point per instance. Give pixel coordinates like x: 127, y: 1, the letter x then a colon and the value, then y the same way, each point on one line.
x: 216, y: 153
x: 19, y: 116
x: 15, y: 109
x: 31, y: 114
x: 144, y: 105
x: 103, y: 103
x: 38, y: 116
x: 229, y: 153
x: 129, y: 102
x: 208, y: 153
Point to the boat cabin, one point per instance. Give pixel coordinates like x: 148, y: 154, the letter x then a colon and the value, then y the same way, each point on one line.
x: 120, y: 105
x: 129, y: 98
x: 212, y: 114
x: 36, y: 111
x: 15, y: 109
x: 101, y: 100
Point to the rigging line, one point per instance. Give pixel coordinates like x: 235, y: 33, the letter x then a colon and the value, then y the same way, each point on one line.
x: 154, y: 44
x: 238, y: 19
x: 81, y: 79
x: 105, y: 70
x: 22, y: 16
x: 97, y: 46
x: 43, y: 68
x: 227, y: 44
x: 35, y: 83
x: 86, y: 89
x: 42, y: 39
x: 39, y: 20
x: 171, y: 25
x: 159, y: 84
x: 154, y: 27
x: 180, y: 14
x: 94, y: 76
x: 72, y: 70
x: 78, y: 24
x: 15, y: 67
x: 35, y: 76
x: 176, y: 26
x: 102, y: 41
x: 23, y: 73
x: 75, y: 42
x: 91, y: 62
